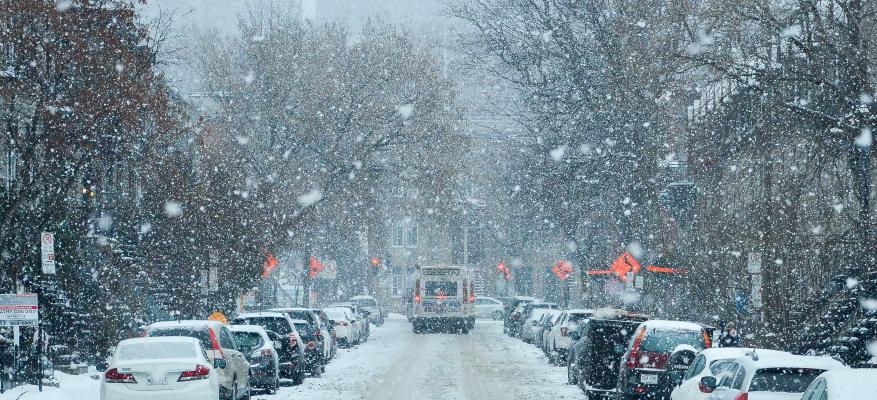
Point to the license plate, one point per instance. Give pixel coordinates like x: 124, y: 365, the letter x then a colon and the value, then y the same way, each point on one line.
x: 154, y: 380
x: 649, y: 379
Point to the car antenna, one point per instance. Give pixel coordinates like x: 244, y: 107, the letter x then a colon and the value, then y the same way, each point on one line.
x: 753, y: 355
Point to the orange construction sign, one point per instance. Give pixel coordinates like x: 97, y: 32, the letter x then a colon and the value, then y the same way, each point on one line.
x: 624, y: 264
x: 562, y: 270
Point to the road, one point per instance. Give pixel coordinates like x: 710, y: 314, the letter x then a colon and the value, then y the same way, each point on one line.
x: 396, y: 364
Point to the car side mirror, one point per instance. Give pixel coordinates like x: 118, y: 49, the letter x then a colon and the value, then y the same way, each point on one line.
x: 575, y: 335
x: 219, y: 363
x: 708, y: 384
x: 102, y: 367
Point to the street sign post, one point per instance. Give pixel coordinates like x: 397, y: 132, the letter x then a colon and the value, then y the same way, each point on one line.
x: 19, y: 309
x: 213, y: 280
x: 47, y: 247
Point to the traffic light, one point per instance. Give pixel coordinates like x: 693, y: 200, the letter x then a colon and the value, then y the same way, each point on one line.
x: 376, y: 262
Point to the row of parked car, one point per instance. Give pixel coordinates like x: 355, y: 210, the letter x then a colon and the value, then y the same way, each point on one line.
x: 620, y: 355
x: 207, y: 359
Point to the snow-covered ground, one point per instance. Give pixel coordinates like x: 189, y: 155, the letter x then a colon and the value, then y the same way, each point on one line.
x: 397, y: 364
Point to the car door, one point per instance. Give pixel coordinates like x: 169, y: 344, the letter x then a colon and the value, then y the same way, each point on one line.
x: 234, y: 358
x: 690, y: 387
x: 730, y: 385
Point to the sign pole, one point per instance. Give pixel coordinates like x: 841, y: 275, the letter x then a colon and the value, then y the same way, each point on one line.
x: 39, y: 339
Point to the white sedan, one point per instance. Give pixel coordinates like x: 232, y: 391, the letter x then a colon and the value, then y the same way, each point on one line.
x: 709, y: 362
x: 160, y: 368
x: 488, y: 307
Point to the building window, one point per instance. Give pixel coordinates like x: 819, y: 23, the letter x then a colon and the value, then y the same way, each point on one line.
x: 411, y: 235
x: 398, y: 235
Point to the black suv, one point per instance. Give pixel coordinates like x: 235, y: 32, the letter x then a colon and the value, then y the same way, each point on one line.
x: 599, y: 345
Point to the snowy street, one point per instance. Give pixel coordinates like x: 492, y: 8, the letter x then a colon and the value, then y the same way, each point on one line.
x: 397, y: 364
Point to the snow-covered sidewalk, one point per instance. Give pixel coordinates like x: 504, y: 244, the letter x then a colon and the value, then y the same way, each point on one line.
x: 72, y: 387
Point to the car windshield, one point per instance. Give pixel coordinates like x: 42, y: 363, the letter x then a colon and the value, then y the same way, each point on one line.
x: 664, y: 341
x: 202, y: 334
x: 787, y: 380
x: 276, y: 324
x: 155, y: 351
x: 252, y: 340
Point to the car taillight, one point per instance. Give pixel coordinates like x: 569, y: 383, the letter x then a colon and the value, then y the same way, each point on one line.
x: 707, y: 340
x: 318, y: 333
x: 633, y: 360
x: 417, y: 292
x: 312, y: 345
x: 564, y: 331
x: 472, y: 292
x: 200, y: 372
x: 742, y: 396
x: 114, y: 376
x: 215, y: 343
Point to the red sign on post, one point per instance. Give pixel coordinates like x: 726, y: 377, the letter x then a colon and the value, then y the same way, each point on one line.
x: 624, y: 264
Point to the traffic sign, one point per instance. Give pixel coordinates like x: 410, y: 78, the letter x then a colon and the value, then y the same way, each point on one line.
x: 47, y: 250
x: 19, y: 309
x: 330, y: 271
x: 753, y: 263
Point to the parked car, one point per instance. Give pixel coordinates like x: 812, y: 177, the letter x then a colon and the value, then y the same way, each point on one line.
x: 547, y: 322
x: 847, y: 384
x: 513, y: 312
x: 313, y: 317
x: 370, y: 305
x: 768, y: 376
x: 598, y: 345
x: 261, y: 351
x: 361, y: 317
x: 331, y: 338
x: 345, y: 325
x: 530, y: 316
x: 709, y: 362
x: 314, y: 360
x: 488, y: 307
x: 232, y: 372
x: 292, y: 353
x: 531, y: 324
x: 557, y: 340
x: 166, y: 368
x: 645, y: 369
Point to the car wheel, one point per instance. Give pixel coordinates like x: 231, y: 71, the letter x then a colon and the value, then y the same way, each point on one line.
x: 571, y: 377
x: 248, y: 392
x: 299, y: 377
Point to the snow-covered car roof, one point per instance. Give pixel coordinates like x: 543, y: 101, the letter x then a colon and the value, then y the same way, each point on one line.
x: 300, y: 321
x: 724, y: 353
x: 162, y: 339
x: 538, y: 312
x: 781, y: 359
x: 260, y: 314
x: 850, y: 384
x: 666, y: 325
x: 362, y: 297
x: 579, y: 311
x: 248, y: 328
x: 188, y: 323
x: 288, y: 309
